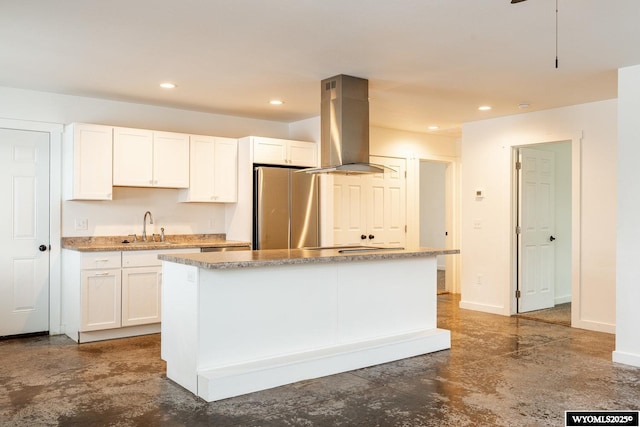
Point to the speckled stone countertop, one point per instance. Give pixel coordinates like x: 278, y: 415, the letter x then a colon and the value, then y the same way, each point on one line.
x: 274, y: 257
x: 174, y: 241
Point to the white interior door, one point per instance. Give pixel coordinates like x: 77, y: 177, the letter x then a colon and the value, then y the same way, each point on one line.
x: 536, y: 258
x: 387, y: 211
x: 349, y: 209
x: 24, y: 232
x: 370, y: 209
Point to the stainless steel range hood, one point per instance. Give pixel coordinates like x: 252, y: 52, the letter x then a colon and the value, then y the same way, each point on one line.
x: 344, y: 127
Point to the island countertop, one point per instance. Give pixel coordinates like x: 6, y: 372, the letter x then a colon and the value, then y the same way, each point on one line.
x: 275, y: 257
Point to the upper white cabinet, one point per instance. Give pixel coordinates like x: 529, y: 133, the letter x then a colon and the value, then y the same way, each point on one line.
x: 170, y: 160
x: 213, y: 170
x: 144, y: 158
x: 87, y: 158
x: 284, y: 152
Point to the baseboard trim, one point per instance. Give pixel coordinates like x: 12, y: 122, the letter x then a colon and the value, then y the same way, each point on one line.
x: 626, y: 358
x: 228, y: 381
x: 493, y: 309
x: 109, y: 334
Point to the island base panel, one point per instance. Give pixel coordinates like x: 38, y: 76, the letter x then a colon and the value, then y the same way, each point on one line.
x: 222, y: 383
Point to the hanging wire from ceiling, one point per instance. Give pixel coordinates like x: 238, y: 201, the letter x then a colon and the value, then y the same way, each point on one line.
x: 520, y: 1
x: 556, y: 34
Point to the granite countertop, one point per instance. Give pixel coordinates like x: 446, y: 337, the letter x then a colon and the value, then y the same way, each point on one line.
x: 274, y: 257
x: 175, y: 241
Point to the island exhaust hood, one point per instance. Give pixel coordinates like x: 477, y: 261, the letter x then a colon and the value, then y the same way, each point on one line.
x: 344, y: 127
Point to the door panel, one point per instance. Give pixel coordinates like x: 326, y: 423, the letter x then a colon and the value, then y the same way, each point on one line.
x: 24, y: 226
x: 371, y: 205
x: 272, y: 208
x: 537, y: 224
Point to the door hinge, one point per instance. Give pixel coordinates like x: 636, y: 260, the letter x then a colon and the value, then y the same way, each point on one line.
x: 518, y: 293
x: 518, y: 166
x: 518, y: 230
x: 405, y: 228
x: 405, y: 174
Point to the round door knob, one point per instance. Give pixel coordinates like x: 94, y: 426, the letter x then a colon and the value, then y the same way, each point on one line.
x: 42, y: 248
x: 362, y: 236
x: 371, y: 236
x: 551, y: 238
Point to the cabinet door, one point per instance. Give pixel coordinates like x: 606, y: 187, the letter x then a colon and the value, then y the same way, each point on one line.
x: 201, y: 170
x: 170, y: 160
x: 141, y: 295
x: 303, y: 153
x: 225, y: 169
x: 100, y: 300
x: 213, y: 170
x: 132, y: 157
x: 270, y: 151
x: 88, y: 162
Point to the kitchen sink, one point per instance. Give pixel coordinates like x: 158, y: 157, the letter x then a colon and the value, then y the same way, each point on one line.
x: 147, y: 243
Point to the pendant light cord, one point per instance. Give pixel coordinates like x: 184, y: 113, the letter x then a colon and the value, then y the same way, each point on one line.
x: 556, y: 34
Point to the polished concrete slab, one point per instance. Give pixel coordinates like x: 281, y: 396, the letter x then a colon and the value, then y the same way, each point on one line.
x: 500, y: 371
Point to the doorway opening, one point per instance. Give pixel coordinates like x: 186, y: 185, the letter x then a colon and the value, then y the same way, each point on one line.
x: 545, y: 207
x: 435, y: 216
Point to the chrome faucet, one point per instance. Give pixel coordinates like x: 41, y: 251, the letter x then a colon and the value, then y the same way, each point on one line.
x: 144, y: 225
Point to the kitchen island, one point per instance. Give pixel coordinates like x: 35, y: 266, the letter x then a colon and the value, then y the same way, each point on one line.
x: 238, y: 322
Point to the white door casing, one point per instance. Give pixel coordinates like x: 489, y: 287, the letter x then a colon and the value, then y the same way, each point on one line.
x: 24, y: 232
x: 536, y: 257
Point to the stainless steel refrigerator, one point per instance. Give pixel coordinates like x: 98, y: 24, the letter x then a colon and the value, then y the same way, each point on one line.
x: 285, y: 208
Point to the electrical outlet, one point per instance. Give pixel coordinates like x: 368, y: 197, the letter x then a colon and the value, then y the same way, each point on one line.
x: 479, y: 280
x: 82, y: 224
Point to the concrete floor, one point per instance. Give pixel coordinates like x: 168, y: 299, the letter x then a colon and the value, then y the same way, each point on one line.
x: 500, y: 371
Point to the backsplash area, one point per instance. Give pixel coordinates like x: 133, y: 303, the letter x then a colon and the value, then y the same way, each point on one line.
x: 123, y: 215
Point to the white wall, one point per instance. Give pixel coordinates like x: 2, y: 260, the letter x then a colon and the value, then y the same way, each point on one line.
x: 487, y: 159
x: 123, y: 215
x: 628, y: 228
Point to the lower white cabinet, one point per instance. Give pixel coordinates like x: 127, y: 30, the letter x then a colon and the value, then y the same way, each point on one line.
x: 100, y: 299
x: 141, y: 295
x: 114, y: 294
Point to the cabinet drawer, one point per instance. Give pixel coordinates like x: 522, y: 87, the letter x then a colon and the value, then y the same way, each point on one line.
x: 148, y: 258
x: 93, y: 260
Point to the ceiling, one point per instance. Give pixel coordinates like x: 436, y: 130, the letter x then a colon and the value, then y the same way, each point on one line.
x: 427, y: 61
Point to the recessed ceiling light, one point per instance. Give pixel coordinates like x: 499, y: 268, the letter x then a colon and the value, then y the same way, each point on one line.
x: 434, y: 127
x: 523, y: 105
x: 276, y: 102
x: 484, y: 108
x: 168, y: 85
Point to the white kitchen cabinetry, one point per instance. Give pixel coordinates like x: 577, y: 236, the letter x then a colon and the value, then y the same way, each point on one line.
x: 108, y: 295
x: 213, y: 170
x: 141, y: 287
x: 87, y: 159
x: 284, y: 152
x: 144, y: 158
x: 100, y: 291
